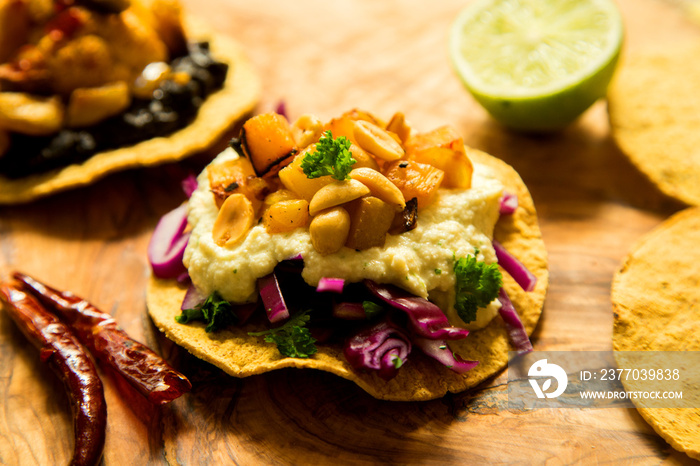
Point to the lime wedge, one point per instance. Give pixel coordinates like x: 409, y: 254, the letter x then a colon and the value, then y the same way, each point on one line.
x: 536, y: 65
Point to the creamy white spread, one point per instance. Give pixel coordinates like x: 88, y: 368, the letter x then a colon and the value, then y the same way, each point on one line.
x: 419, y: 261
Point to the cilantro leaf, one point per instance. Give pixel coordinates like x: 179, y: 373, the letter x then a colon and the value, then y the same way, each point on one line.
x: 332, y: 157
x: 293, y: 339
x: 476, y: 285
x: 215, y: 311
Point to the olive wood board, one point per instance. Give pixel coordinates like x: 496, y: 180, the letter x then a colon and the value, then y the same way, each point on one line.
x: 326, y: 58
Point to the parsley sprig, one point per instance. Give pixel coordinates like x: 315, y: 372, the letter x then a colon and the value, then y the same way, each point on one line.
x: 293, y: 339
x: 332, y: 157
x: 476, y: 285
x: 215, y: 311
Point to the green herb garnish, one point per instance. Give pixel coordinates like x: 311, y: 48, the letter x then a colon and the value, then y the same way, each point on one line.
x: 215, y: 311
x: 372, y: 309
x: 332, y: 157
x: 476, y: 285
x: 293, y: 339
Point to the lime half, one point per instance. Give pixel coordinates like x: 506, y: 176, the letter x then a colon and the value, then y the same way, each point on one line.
x: 536, y: 64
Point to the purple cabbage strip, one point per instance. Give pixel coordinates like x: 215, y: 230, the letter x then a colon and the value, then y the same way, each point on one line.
x: 515, y: 268
x: 516, y: 330
x: 281, y: 109
x: 438, y: 350
x: 508, y: 203
x: 426, y: 319
x: 189, y: 184
x: 166, y: 247
x: 381, y: 347
x: 192, y: 299
x: 334, y: 285
x: 272, y: 298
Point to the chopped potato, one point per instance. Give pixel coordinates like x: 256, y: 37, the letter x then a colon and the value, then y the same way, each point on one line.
x: 443, y: 148
x: 370, y: 219
x: 28, y: 114
x: 91, y: 105
x: 286, y: 216
x: 14, y: 27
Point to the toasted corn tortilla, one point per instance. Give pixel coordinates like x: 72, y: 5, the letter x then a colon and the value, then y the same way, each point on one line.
x: 421, y: 378
x: 654, y: 107
x: 656, y: 302
x: 220, y: 110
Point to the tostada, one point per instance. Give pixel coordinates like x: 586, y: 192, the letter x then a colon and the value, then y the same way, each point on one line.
x: 90, y: 87
x: 401, y: 260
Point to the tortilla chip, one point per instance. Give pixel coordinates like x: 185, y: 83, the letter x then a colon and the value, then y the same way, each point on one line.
x: 656, y: 302
x: 421, y: 378
x: 654, y: 103
x: 218, y: 113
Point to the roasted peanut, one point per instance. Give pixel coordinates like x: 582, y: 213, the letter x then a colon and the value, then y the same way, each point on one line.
x: 329, y: 230
x: 307, y: 130
x: 377, y: 141
x: 398, y: 126
x: 234, y: 220
x: 380, y: 186
x: 336, y: 193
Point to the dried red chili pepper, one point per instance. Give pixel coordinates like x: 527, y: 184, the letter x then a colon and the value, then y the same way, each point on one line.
x: 150, y: 374
x: 62, y: 351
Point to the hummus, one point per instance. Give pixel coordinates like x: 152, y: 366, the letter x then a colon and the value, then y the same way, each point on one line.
x: 419, y: 261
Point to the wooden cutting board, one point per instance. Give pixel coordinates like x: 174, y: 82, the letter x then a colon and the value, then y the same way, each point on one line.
x: 325, y: 58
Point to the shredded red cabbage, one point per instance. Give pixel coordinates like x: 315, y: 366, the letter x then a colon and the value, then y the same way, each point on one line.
x: 438, y: 350
x: 382, y: 347
x: 334, y: 285
x: 192, y: 299
x: 272, y: 298
x: 167, y: 245
x: 189, y: 184
x: 282, y: 109
x: 515, y: 268
x: 426, y: 319
x: 516, y: 330
x: 508, y: 203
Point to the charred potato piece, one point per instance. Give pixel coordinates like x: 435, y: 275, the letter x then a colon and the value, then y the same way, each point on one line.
x: 415, y: 180
x: 236, y: 177
x: 443, y: 148
x: 91, y: 105
x: 28, y: 114
x: 284, y: 216
x: 14, y: 27
x: 267, y: 140
x: 406, y: 219
x: 166, y: 19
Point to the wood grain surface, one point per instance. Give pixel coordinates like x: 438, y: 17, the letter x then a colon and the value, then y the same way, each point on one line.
x: 325, y: 58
